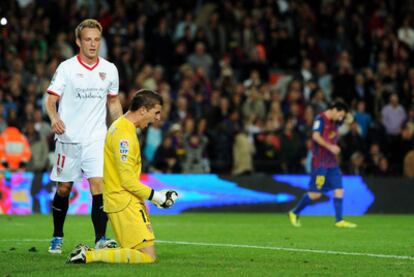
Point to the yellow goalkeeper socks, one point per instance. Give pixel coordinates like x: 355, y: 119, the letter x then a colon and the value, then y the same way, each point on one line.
x: 118, y: 255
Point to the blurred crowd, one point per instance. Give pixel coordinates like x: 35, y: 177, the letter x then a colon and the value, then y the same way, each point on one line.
x: 241, y: 80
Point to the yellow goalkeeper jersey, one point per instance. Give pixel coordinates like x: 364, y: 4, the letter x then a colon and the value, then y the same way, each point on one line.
x: 122, y: 167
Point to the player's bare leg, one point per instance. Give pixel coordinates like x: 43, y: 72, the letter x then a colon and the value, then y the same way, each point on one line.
x: 314, y: 195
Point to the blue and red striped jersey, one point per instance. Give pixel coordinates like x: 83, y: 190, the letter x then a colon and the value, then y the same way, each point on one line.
x: 322, y: 157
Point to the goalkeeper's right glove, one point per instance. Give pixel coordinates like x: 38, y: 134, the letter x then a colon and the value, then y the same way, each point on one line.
x: 164, y: 198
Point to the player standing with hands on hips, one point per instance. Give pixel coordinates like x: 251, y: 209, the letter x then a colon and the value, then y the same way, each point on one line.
x: 82, y: 86
x: 326, y: 174
x: 124, y: 194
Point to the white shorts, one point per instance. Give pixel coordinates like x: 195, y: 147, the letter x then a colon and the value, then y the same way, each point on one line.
x: 72, y: 160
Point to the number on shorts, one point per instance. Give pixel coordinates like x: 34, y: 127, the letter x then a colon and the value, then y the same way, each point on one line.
x: 320, y: 181
x: 61, y: 160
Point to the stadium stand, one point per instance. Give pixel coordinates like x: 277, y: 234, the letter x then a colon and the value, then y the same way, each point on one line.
x: 260, y: 68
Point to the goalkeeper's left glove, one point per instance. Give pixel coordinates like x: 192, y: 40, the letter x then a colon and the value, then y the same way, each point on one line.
x: 164, y: 198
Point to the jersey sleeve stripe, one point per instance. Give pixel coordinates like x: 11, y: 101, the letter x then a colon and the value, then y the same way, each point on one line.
x: 53, y: 93
x: 112, y: 94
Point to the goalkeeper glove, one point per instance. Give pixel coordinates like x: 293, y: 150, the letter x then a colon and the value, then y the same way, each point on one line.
x: 164, y: 198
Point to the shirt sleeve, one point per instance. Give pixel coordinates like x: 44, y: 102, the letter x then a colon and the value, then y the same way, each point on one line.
x: 126, y: 150
x: 58, y: 82
x: 317, y: 125
x: 114, y: 85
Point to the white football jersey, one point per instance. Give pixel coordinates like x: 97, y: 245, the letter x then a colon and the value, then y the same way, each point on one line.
x: 83, y: 92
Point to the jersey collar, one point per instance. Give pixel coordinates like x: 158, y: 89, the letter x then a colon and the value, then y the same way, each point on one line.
x: 87, y: 66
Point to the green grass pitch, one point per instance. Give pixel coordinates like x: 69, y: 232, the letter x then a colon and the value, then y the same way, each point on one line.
x: 224, y: 244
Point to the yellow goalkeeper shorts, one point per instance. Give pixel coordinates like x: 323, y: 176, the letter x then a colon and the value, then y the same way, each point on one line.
x: 132, y: 226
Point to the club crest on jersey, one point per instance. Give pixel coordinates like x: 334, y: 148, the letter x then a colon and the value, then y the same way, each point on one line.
x: 124, y: 158
x: 102, y: 75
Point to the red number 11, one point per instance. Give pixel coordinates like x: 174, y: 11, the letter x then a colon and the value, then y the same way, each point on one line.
x: 63, y: 160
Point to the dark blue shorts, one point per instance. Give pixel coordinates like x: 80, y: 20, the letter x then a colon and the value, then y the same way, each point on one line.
x: 325, y: 179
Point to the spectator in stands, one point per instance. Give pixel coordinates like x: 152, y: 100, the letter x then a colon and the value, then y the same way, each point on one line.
x: 290, y: 148
x: 243, y: 151
x: 306, y: 71
x: 393, y: 116
x: 201, y: 58
x: 165, y: 92
x: 15, y: 151
x: 253, y: 80
x: 318, y: 101
x: 254, y: 105
x: 409, y: 164
x: 221, y: 148
x: 224, y: 109
x: 382, y: 169
x: 343, y: 80
x: 177, y: 137
x: 162, y: 45
x: 188, y: 126
x: 306, y: 160
x: 187, y: 22
x: 324, y: 80
x: 268, y: 152
x: 244, y: 42
x: 305, y: 127
x: 195, y: 160
x: 63, y: 47
x: 406, y: 33
x: 405, y: 145
x: 180, y: 111
x: 153, y: 138
x: 27, y: 113
x: 363, y: 118
x: 3, y: 121
x: 352, y: 142
x: 275, y: 116
x: 200, y: 36
x: 373, y: 157
x: 166, y: 159
x: 357, y: 164
x: 216, y: 35
x: 41, y: 126
x: 361, y: 89
x: 39, y: 162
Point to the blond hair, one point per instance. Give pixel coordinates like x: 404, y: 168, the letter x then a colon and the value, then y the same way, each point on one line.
x: 87, y: 23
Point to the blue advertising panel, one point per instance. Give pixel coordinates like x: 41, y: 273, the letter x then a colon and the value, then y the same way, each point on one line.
x: 195, y: 191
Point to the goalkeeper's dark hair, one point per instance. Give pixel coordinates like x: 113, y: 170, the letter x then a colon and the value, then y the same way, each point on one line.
x: 339, y: 106
x: 145, y: 98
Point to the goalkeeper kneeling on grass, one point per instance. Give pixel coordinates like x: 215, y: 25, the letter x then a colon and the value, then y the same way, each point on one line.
x: 124, y: 195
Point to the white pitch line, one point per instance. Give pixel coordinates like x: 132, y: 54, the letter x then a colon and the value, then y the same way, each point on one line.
x: 330, y: 252
x: 23, y: 240
x: 277, y: 248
